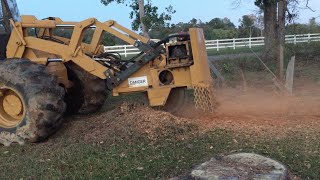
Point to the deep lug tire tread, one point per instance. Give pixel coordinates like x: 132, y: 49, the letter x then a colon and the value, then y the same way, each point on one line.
x: 92, y: 90
x: 43, y: 97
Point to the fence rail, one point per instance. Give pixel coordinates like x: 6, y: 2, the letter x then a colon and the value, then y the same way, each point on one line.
x: 225, y: 43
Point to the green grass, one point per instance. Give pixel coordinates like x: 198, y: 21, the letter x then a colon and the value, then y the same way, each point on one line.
x: 142, y: 159
x: 214, y: 52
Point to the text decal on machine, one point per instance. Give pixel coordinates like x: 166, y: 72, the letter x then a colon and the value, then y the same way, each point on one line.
x: 138, y: 81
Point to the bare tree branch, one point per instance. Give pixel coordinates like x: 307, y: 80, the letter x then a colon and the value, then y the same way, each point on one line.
x: 236, y: 4
x: 307, y: 6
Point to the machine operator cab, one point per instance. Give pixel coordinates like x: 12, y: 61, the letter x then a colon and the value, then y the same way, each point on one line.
x: 8, y: 10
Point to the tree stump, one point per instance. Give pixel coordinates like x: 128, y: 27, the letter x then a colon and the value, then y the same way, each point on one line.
x: 240, y: 167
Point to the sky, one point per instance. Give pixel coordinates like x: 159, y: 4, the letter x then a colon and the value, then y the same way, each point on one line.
x: 78, y: 10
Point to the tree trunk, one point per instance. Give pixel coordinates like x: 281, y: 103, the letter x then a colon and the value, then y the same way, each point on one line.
x: 142, y: 14
x: 7, y: 15
x: 270, y: 32
x: 282, y: 7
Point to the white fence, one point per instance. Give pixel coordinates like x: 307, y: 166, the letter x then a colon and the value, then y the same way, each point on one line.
x: 225, y: 43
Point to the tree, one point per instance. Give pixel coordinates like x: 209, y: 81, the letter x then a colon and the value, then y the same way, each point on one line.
x: 247, y: 26
x: 269, y: 8
x: 259, y: 23
x: 313, y: 26
x: 274, y: 24
x: 282, y: 9
x: 221, y: 34
x: 218, y: 23
x: 219, y: 28
x: 145, y: 16
x: 276, y: 12
x: 297, y: 29
x: 141, y: 16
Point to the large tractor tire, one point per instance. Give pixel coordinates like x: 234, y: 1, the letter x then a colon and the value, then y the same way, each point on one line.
x: 3, y: 45
x: 31, y: 102
x: 88, y: 93
x: 74, y: 96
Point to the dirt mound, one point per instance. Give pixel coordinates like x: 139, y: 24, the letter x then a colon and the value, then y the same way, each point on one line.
x: 130, y: 121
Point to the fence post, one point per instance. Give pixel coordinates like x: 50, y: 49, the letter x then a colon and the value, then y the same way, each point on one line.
x: 217, y: 44
x: 295, y: 39
x: 234, y: 43
x: 250, y: 42
x: 309, y: 38
x: 125, y: 50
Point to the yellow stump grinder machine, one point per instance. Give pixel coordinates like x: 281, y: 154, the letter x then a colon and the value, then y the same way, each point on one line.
x: 44, y: 75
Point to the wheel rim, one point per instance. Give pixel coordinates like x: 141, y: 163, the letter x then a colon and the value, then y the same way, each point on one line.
x: 12, y: 108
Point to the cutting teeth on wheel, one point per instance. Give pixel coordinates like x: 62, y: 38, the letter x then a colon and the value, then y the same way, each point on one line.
x: 204, y: 98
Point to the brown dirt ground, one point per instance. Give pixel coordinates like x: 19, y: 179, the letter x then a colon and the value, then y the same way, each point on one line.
x: 128, y: 120
x: 255, y: 112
